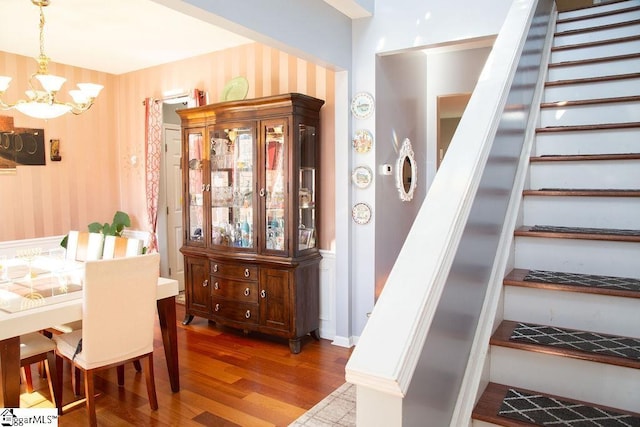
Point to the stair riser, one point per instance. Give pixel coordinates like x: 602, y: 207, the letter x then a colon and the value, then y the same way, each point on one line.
x: 588, y: 142
x: 598, y: 21
x: 590, y: 52
x: 598, y: 69
x: 586, y: 13
x: 598, y: 383
x: 603, y: 174
x: 590, y: 36
x: 572, y: 310
x: 578, y: 256
x: 614, y: 112
x: 594, y: 90
x: 593, y: 212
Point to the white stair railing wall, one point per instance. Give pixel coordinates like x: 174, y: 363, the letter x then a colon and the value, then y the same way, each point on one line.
x: 410, y: 362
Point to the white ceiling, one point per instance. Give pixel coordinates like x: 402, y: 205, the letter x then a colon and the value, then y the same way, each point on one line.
x: 113, y: 36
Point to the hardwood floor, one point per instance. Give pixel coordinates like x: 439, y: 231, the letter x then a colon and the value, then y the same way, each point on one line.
x: 226, y: 379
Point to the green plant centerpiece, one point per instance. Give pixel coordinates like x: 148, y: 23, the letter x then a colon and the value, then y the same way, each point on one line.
x: 120, y: 221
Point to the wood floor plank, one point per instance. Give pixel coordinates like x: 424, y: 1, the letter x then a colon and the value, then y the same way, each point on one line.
x: 226, y: 378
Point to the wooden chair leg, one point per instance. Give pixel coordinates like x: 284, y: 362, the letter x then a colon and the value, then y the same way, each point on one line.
x: 50, y: 367
x: 75, y: 380
x: 90, y: 398
x: 27, y: 378
x: 120, y: 371
x: 137, y: 365
x: 151, y: 382
x: 59, y: 363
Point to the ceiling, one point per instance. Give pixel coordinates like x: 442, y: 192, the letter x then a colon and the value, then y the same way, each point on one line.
x: 122, y: 36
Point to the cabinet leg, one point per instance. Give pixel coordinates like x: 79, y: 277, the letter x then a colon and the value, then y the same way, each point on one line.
x: 187, y: 319
x: 315, y: 334
x: 294, y: 345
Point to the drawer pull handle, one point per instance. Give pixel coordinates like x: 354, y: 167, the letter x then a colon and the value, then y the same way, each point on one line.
x: 217, y: 307
x: 247, y: 314
x: 205, y: 283
x: 263, y: 293
x: 215, y: 268
x: 247, y: 292
x: 216, y: 286
x: 246, y: 272
x: 262, y: 192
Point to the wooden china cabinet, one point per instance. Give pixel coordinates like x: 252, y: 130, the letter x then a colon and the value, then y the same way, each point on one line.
x: 250, y: 193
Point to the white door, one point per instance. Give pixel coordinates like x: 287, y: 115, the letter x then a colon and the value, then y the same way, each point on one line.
x: 173, y: 176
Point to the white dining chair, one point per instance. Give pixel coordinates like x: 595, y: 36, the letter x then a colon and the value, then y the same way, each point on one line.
x: 118, y: 247
x: 36, y: 348
x: 84, y: 246
x: 118, y: 317
x: 113, y: 247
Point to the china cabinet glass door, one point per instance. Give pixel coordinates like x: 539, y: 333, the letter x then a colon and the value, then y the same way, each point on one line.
x: 275, y: 185
x: 232, y: 180
x: 307, y: 187
x: 196, y: 186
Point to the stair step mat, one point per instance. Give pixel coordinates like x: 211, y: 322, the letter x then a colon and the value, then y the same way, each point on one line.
x: 585, y: 230
x: 584, y: 280
x: 590, y: 342
x: 543, y: 410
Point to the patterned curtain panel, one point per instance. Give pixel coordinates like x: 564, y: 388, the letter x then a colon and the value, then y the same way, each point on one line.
x: 153, y: 143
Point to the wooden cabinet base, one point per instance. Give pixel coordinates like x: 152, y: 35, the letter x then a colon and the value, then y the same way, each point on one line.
x: 255, y: 296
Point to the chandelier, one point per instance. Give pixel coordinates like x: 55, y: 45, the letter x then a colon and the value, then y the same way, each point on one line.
x: 42, y: 103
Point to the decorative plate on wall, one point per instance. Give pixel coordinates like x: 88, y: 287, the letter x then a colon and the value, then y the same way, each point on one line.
x: 362, y: 105
x: 362, y: 141
x: 361, y: 213
x: 362, y: 176
x: 235, y: 90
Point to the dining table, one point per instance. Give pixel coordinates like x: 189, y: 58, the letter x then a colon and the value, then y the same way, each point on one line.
x: 42, y: 297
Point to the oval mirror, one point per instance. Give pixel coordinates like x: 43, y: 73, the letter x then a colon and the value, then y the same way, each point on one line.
x: 406, y: 171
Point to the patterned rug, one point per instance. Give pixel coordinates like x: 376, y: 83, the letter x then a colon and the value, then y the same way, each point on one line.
x: 337, y: 409
x: 591, y: 342
x: 546, y: 411
x: 585, y: 280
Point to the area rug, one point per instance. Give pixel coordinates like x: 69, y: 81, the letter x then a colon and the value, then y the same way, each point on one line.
x: 337, y: 409
x: 547, y: 411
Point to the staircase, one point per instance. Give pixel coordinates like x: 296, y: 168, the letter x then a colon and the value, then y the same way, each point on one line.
x: 568, y: 349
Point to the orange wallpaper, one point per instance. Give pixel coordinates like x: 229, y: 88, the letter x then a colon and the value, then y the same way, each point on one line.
x: 95, y: 177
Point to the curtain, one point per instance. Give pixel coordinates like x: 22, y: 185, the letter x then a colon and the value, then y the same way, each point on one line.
x: 153, y: 144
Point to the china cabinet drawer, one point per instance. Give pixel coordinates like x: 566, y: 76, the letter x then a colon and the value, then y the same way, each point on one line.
x: 234, y: 271
x: 235, y: 311
x: 235, y: 290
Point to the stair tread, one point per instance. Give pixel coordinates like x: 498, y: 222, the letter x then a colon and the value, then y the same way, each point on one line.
x: 574, y: 282
x: 597, y: 28
x: 510, y: 406
x: 585, y: 128
x: 579, y: 157
x: 565, y: 104
x: 596, y: 43
x: 583, y: 192
x: 588, y: 233
x: 562, y: 20
x: 598, y: 79
x: 595, y: 60
x: 584, y: 345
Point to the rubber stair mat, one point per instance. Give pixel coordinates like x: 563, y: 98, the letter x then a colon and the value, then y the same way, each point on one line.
x: 585, y: 230
x: 544, y: 410
x: 584, y: 280
x: 594, y: 190
x: 590, y: 342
